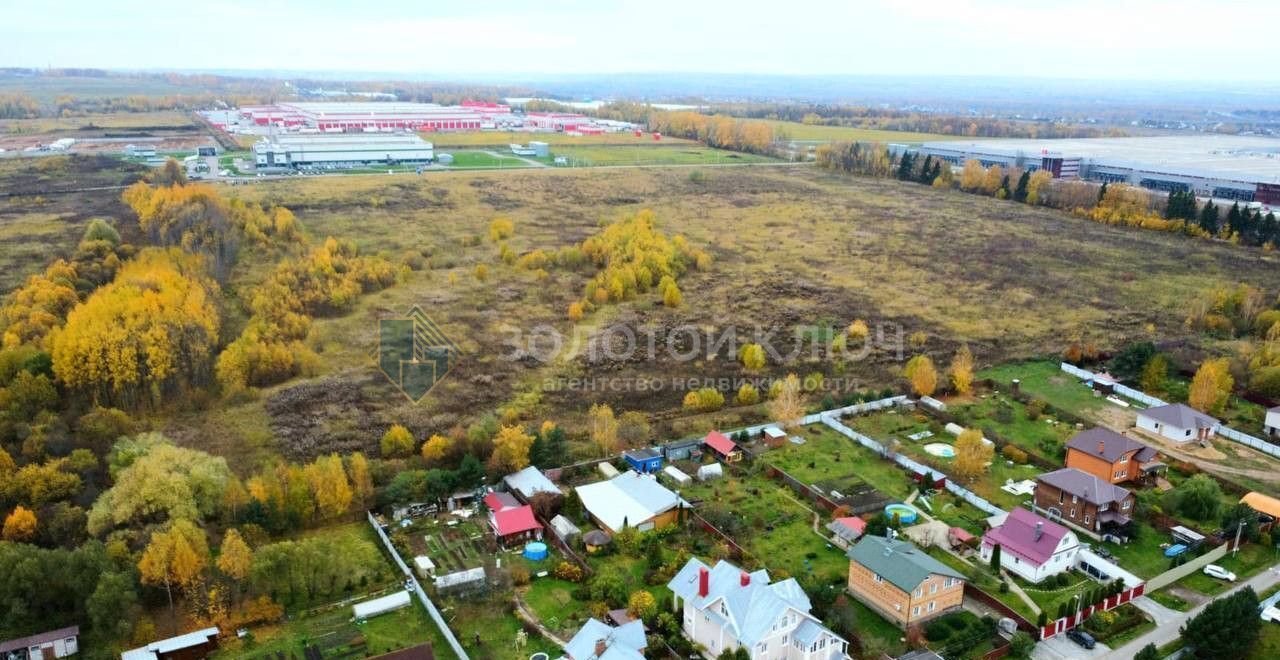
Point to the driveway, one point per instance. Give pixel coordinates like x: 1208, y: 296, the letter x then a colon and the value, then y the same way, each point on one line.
x: 1059, y: 647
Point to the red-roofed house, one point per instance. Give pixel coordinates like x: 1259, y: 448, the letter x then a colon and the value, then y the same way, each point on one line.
x: 511, y: 521
x: 724, y: 448
x: 1031, y: 546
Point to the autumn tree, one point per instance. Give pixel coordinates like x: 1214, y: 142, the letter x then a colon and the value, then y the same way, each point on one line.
x: 962, y: 370
x: 972, y: 176
x: 671, y: 296
x: 747, y: 395
x: 501, y: 229
x: 642, y: 605
x: 164, y: 483
x: 435, y: 449
x: 397, y: 442
x: 922, y: 375
x: 603, y: 428
x: 361, y: 481
x: 972, y: 454
x: 329, y: 486
x: 235, y: 559
x: 510, y: 450
x: 175, y: 557
x: 752, y: 356
x: 787, y: 405
x: 858, y: 330
x: 633, y: 429
x: 151, y: 331
x: 39, y: 305
x: 19, y: 525
x: 1155, y: 373
x: 1211, y: 386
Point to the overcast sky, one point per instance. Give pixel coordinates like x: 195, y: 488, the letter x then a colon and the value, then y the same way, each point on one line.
x: 1113, y: 39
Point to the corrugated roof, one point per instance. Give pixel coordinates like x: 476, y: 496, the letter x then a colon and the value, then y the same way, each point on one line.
x: 630, y: 497
x: 900, y: 562
x: 1108, y: 445
x: 529, y: 482
x: 1262, y: 503
x: 625, y: 642
x: 1085, y: 486
x: 38, y: 639
x: 1018, y: 535
x: 515, y: 521
x: 721, y: 443
x: 1180, y: 415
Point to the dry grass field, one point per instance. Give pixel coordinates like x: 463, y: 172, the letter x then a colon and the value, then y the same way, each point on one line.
x: 168, y: 120
x: 792, y: 246
x: 794, y: 130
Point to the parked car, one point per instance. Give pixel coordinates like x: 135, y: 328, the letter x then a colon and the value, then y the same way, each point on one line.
x: 1214, y: 570
x: 1082, y: 638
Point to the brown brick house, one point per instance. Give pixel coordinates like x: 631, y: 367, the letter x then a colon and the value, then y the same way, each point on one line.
x: 1112, y: 457
x: 901, y: 582
x: 1083, y: 499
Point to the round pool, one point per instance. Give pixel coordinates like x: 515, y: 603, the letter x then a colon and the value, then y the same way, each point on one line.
x: 906, y: 514
x: 535, y: 551
x: 941, y: 449
x: 539, y: 656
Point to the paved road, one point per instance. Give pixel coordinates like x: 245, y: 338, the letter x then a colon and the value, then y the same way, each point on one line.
x: 1168, y: 631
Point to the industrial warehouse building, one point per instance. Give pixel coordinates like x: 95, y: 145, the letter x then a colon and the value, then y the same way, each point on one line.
x: 338, y: 117
x: 312, y: 150
x: 1229, y: 167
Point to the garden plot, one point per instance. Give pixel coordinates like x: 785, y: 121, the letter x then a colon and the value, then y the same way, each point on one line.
x: 453, y: 547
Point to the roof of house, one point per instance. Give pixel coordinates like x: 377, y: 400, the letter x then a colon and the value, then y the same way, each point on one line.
x: 515, y: 521
x: 499, y: 501
x: 900, y: 562
x: 422, y: 651
x: 630, y: 497
x: 154, y: 649
x: 920, y: 654
x: 1109, y: 445
x: 1085, y: 486
x: 751, y: 609
x: 625, y: 642
x: 1262, y: 503
x: 564, y: 527
x: 961, y: 534
x: 37, y: 640
x: 721, y: 443
x: 774, y: 432
x: 1180, y: 415
x: 642, y: 454
x: 529, y: 482
x: 1018, y: 535
x: 848, y: 528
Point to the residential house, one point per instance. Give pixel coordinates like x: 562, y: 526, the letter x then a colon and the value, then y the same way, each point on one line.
x: 511, y: 521
x: 902, y: 582
x: 597, y: 640
x: 529, y: 482
x: 644, y: 461
x: 191, y: 646
x: 1112, y: 457
x: 1031, y: 546
x: 1084, y: 499
x: 722, y: 447
x: 1178, y: 422
x: 726, y: 608
x: 630, y: 499
x: 1272, y: 423
x: 58, y: 643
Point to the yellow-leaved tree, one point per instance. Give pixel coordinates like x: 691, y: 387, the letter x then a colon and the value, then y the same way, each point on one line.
x: 962, y: 370
x: 787, y: 405
x: 19, y: 525
x: 361, y: 480
x: 922, y: 375
x: 329, y: 486
x: 397, y: 442
x: 603, y: 428
x: 235, y: 559
x: 752, y: 356
x: 510, y: 450
x: 175, y: 557
x: 148, y: 333
x: 435, y: 449
x: 972, y: 454
x: 1211, y: 386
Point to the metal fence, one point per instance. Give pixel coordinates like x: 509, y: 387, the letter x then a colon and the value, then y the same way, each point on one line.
x: 417, y: 589
x: 1150, y: 401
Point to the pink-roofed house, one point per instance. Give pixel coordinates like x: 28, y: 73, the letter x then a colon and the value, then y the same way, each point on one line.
x: 511, y: 521
x: 724, y: 448
x: 1031, y: 546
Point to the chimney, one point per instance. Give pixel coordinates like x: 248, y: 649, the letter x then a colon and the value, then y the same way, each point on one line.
x: 744, y: 579
x: 704, y: 582
x: 601, y: 647
x: 1039, y: 530
x: 1102, y: 447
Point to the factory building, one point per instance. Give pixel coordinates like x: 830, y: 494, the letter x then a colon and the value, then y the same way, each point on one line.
x: 319, y: 150
x: 1226, y: 167
x: 338, y: 117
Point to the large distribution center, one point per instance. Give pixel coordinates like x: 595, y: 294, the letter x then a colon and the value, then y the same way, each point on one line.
x: 1245, y: 168
x: 295, y: 150
x: 372, y: 116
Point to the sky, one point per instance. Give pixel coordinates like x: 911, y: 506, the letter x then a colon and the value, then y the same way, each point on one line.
x: 1087, y: 39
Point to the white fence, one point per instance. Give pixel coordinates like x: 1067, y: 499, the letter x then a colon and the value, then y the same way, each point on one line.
x: 1150, y: 401
x: 422, y: 595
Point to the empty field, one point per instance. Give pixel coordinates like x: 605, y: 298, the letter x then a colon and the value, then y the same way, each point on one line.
x: 484, y: 159
x: 794, y: 130
x: 167, y: 119
x: 505, y: 138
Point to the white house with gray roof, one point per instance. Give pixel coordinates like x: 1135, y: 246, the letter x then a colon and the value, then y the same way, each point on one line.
x: 1178, y: 422
x: 727, y: 608
x: 597, y: 640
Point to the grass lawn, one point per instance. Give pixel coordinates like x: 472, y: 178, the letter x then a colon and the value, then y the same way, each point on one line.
x: 480, y: 159
x: 1039, y: 436
x: 981, y: 577
x: 1045, y: 380
x: 794, y: 130
x: 335, y: 634
x: 1251, y: 559
x: 492, y: 622
x: 1142, y: 555
x: 1049, y: 599
x: 1170, y: 601
x: 872, y: 626
x: 828, y: 455
x: 553, y: 602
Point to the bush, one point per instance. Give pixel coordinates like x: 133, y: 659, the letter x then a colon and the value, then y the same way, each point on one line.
x: 520, y: 575
x: 568, y: 572
x: 1014, y: 454
x: 1035, y: 409
x: 937, y: 631
x: 956, y: 622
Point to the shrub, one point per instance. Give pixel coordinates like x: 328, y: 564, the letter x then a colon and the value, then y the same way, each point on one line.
x: 1014, y: 454
x: 1035, y: 409
x: 956, y: 622
x: 568, y: 572
x: 519, y: 575
x: 936, y: 631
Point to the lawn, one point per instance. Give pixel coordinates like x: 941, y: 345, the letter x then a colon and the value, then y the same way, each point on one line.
x: 552, y: 600
x: 1142, y: 555
x: 793, y: 130
x: 1170, y: 600
x: 874, y: 628
x: 827, y: 455
x: 484, y: 159
x: 487, y: 628
x: 1008, y: 418
x: 980, y: 576
x: 1045, y: 380
x: 337, y: 635
x: 1251, y: 559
